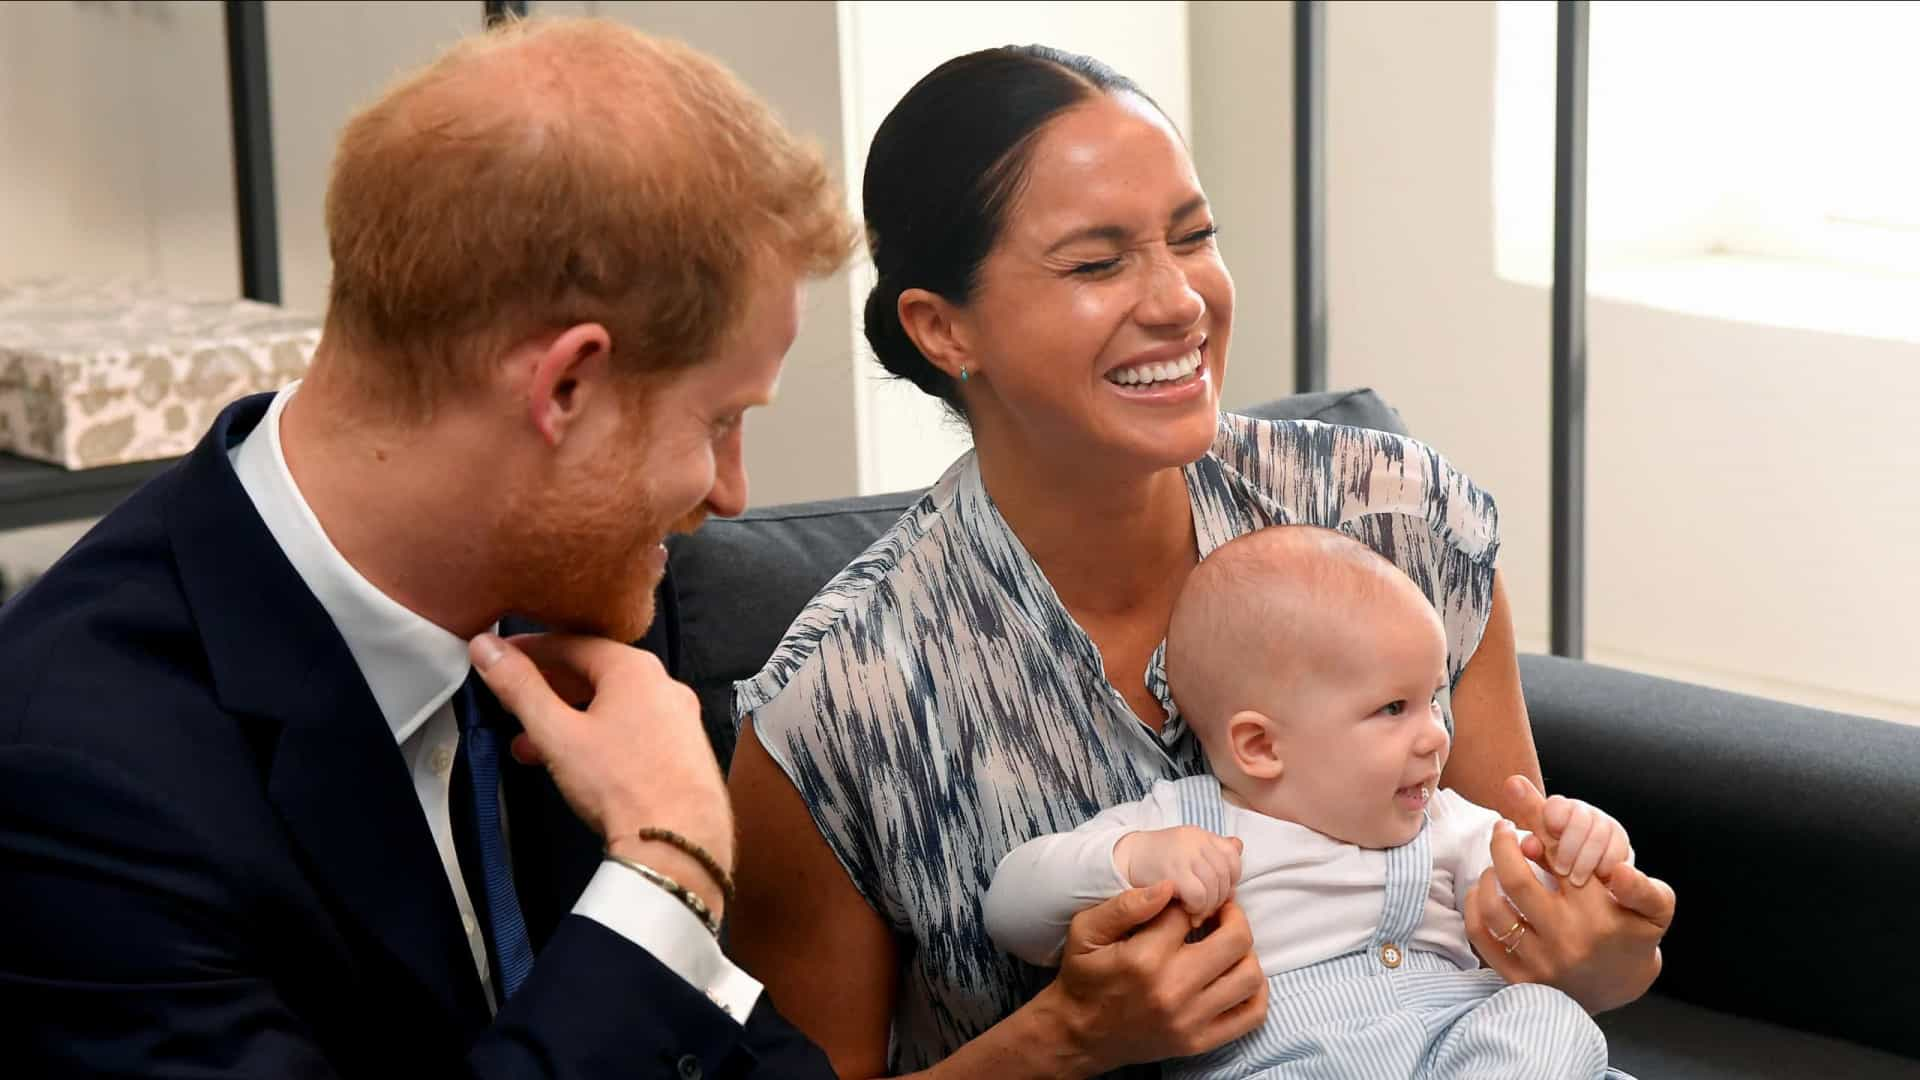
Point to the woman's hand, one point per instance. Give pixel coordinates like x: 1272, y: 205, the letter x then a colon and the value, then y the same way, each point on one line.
x: 1600, y: 943
x: 1132, y: 989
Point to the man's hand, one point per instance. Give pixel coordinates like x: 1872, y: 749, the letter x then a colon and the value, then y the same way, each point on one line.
x: 1576, y: 839
x: 1133, y: 989
x: 1203, y: 866
x: 623, y: 742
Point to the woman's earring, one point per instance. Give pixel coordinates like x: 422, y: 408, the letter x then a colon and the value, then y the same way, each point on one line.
x: 963, y: 373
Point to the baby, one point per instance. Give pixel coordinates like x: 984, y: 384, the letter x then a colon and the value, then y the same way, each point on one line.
x: 1312, y: 671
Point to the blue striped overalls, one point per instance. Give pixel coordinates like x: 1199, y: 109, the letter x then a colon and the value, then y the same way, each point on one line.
x: 1389, y: 1011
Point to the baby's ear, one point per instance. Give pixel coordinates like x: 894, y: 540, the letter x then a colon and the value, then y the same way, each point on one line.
x: 1254, y: 740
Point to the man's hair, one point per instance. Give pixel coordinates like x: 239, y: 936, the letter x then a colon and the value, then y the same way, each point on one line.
x: 1253, y: 617
x: 556, y: 171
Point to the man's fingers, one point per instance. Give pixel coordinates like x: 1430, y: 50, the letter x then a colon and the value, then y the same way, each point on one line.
x: 514, y: 679
x: 1114, y: 920
x: 525, y: 752
x: 577, y: 666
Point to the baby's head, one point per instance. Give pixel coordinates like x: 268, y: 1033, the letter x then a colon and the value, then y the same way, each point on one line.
x: 1310, y: 668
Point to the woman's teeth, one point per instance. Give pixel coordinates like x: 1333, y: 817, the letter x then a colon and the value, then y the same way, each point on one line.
x: 1161, y: 371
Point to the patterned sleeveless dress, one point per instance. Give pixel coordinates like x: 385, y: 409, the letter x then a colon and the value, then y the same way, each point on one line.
x: 936, y: 706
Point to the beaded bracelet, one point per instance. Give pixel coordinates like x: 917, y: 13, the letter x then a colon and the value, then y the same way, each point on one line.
x: 678, y: 891
x: 695, y: 852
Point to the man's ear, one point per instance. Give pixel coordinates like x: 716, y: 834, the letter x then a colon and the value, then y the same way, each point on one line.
x: 1253, y: 738
x: 566, y: 375
x: 932, y: 322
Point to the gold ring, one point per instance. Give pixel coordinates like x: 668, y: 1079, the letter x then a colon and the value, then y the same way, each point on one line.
x: 1516, y: 940
x: 1518, y: 925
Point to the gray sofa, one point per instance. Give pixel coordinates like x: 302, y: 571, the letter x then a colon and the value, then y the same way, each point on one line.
x: 1792, y: 836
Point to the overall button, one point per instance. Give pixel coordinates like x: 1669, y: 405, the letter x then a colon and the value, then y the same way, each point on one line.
x: 688, y: 1067
x: 1390, y: 955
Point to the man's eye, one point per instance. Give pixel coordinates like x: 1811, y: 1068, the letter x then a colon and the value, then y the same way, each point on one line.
x: 1200, y: 237
x: 1394, y: 708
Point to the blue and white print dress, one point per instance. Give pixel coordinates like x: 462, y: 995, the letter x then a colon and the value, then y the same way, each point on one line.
x: 936, y: 706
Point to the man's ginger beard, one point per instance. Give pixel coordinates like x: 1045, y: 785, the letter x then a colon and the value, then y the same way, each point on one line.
x: 578, y: 558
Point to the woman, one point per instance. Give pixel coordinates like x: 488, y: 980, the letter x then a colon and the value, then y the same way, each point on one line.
x: 992, y: 668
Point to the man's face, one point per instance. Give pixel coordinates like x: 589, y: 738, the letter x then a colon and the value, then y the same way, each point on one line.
x: 660, y: 465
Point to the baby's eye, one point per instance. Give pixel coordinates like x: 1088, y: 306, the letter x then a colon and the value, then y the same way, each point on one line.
x: 1394, y: 708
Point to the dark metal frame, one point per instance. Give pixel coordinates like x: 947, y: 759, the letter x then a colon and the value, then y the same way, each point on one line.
x: 494, y: 11
x: 1569, y: 477
x: 257, y: 208
x: 1309, y: 196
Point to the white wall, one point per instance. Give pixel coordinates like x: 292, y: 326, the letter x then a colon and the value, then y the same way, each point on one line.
x: 1751, y: 501
x: 906, y: 438
x: 805, y: 445
x: 1242, y: 135
x: 114, y: 137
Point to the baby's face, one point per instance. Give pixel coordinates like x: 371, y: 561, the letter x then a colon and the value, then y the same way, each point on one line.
x: 1363, y: 740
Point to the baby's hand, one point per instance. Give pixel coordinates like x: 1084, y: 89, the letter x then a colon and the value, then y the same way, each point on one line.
x: 1203, y: 866
x: 1579, y: 840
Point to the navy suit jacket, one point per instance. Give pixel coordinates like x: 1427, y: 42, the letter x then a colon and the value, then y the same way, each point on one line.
x: 213, y: 863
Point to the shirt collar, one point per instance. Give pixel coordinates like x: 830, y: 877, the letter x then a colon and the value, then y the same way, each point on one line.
x: 412, y: 665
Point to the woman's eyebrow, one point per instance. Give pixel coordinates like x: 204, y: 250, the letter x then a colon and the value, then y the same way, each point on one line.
x: 1113, y: 234
x: 1118, y: 235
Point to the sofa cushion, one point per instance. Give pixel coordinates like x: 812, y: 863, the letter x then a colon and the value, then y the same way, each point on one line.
x: 739, y: 583
x: 1789, y: 835
x: 1658, y: 1038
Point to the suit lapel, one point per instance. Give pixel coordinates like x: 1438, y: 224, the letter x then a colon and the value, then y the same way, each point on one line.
x: 334, y: 773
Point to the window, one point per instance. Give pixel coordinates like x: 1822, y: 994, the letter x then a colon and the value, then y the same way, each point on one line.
x: 1753, y: 161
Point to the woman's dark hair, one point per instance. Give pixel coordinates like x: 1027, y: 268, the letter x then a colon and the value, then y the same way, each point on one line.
x: 944, y: 166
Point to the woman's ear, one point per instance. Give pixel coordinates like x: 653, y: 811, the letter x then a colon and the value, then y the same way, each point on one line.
x: 1254, y: 740
x: 933, y: 324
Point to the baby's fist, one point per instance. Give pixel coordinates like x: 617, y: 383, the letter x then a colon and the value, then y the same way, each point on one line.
x: 1203, y: 866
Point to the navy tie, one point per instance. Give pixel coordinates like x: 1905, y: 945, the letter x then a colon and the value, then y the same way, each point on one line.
x: 512, y: 950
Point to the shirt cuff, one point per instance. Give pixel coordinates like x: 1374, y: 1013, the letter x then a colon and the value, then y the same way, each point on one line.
x: 650, y: 917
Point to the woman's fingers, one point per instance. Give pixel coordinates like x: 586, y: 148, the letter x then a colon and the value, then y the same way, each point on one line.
x: 1233, y: 1004
x: 1515, y: 874
x: 1214, y: 955
x: 1648, y: 897
x: 1489, y: 920
x: 1117, y: 919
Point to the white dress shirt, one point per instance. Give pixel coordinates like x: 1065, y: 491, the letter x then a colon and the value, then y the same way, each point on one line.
x: 413, y: 668
x: 1307, y: 896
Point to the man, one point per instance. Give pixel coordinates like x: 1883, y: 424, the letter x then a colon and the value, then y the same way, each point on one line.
x: 256, y: 818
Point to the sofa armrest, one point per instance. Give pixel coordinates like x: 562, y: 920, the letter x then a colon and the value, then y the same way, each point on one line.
x: 1790, y: 835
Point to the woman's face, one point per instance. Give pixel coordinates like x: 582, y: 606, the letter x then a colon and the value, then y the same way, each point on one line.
x: 1102, y: 315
